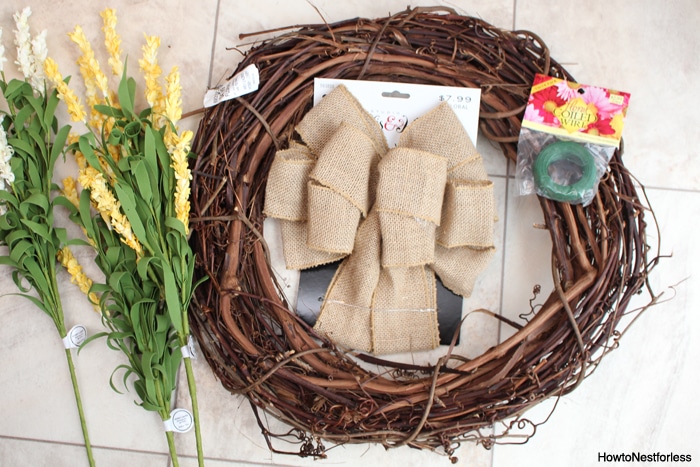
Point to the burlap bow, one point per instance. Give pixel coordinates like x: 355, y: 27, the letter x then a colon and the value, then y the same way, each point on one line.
x: 399, y: 216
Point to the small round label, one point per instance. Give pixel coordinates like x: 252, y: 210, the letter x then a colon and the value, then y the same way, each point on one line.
x: 76, y: 336
x: 181, y: 421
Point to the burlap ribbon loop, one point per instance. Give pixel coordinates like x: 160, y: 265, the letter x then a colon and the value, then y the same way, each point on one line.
x: 398, y: 217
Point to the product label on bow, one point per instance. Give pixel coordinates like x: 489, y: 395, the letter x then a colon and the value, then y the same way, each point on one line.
x: 396, y: 105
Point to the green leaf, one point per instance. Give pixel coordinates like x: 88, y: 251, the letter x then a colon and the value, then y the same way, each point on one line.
x: 127, y: 93
x: 143, y: 181
x: 38, y: 303
x: 39, y: 143
x: 22, y: 145
x: 142, y: 267
x: 38, y: 199
x: 14, y: 89
x: 86, y: 215
x: 128, y: 201
x: 177, y: 225
x: 109, y: 111
x: 17, y: 233
x: 20, y: 250
x: 39, y: 229
x: 99, y: 335
x: 62, y: 201
x: 37, y: 103
x: 133, y: 129
x: 39, y: 279
x: 8, y: 198
x: 21, y: 118
x: 51, y: 105
x: 7, y: 261
x: 128, y: 371
x: 58, y: 144
x: 172, y: 300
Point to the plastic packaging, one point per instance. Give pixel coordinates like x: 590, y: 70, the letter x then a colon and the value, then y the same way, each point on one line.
x: 568, y: 136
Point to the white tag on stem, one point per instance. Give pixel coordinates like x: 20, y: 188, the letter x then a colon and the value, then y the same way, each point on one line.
x: 180, y: 421
x: 189, y: 351
x: 75, y: 337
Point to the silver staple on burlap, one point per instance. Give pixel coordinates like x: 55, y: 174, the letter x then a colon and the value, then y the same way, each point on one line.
x: 398, y: 216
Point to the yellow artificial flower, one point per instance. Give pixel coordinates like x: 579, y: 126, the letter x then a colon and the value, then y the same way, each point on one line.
x: 75, y: 108
x: 89, y: 66
x: 112, y: 40
x: 70, y: 191
x: 179, y: 149
x: 151, y: 72
x: 77, y: 276
x: 93, y: 77
x: 108, y: 206
x: 173, y: 96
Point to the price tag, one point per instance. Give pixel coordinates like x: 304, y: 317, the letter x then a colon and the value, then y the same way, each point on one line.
x: 75, y: 337
x: 180, y: 421
x: 396, y: 105
x: 189, y: 351
x: 244, y: 82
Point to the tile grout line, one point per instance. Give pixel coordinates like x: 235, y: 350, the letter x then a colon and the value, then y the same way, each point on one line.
x: 213, y: 43
x: 79, y: 445
x: 677, y: 190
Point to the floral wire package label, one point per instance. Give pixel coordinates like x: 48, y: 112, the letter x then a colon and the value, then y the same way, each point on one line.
x: 388, y: 206
x: 569, y: 133
x: 579, y: 112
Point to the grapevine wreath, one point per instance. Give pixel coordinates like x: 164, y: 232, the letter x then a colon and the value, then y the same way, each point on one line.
x: 258, y: 346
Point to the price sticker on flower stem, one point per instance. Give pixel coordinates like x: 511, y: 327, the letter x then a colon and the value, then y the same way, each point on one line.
x: 189, y: 351
x: 180, y: 421
x: 75, y: 337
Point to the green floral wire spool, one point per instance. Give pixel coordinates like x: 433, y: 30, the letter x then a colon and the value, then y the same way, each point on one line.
x: 564, y: 151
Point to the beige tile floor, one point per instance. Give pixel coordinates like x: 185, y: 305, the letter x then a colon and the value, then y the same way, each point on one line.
x: 642, y: 398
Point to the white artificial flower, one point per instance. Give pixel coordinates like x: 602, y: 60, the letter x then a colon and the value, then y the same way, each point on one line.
x: 23, y: 41
x: 39, y: 52
x: 6, y: 152
x: 2, y: 53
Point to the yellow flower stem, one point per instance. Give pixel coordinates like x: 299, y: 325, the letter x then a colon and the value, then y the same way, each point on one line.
x: 60, y: 326
x: 195, y: 409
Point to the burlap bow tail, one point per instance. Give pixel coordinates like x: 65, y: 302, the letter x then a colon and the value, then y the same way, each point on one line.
x: 399, y: 216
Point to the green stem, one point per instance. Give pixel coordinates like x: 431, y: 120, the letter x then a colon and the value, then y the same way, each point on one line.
x: 165, y: 414
x: 195, y: 410
x: 171, y: 447
x: 79, y: 403
x: 61, y: 328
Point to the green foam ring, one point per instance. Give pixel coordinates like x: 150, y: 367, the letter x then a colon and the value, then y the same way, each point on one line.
x: 564, y: 151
